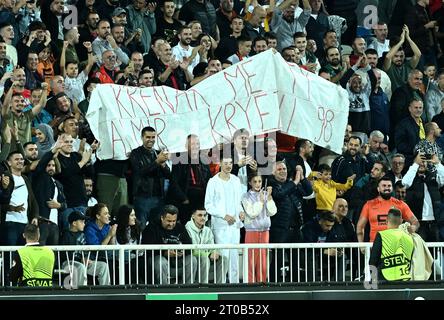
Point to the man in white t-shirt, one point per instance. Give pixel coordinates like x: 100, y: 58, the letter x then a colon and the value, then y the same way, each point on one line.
x: 184, y: 50
x: 22, y: 207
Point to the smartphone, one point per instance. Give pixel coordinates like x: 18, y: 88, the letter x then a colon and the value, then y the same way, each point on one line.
x: 428, y: 156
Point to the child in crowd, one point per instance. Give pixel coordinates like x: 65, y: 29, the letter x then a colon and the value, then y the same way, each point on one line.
x: 74, y: 81
x: 259, y: 207
x: 325, y: 188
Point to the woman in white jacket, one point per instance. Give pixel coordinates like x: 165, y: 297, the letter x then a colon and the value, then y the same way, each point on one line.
x: 259, y: 207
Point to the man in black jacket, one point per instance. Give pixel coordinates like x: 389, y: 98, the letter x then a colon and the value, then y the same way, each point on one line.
x: 318, y: 230
x: 409, y: 131
x: 192, y: 177
x: 150, y: 174
x: 166, y: 263
x: 423, y: 196
x: 285, y: 225
x: 49, y: 195
x: 351, y: 162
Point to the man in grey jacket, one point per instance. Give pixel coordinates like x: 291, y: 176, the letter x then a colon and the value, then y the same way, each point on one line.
x: 285, y: 25
x: 434, y: 97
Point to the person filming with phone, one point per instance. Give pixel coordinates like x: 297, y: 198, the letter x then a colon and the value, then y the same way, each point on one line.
x: 423, y: 180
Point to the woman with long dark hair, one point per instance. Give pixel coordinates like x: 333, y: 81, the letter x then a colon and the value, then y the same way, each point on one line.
x: 128, y: 232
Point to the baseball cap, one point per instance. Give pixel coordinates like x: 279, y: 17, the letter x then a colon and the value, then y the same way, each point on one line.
x: 74, y: 216
x: 118, y: 11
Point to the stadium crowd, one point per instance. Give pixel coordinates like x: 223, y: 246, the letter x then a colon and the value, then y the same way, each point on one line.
x: 271, y: 188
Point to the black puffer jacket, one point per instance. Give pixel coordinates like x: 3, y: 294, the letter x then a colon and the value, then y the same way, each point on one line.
x: 288, y: 199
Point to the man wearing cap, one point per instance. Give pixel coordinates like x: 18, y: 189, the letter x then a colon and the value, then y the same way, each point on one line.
x: 76, y: 262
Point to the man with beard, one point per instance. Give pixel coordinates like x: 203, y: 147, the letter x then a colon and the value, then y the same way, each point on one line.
x: 334, y: 67
x: 13, y: 114
x: 49, y: 195
x: 118, y: 33
x: 359, y: 95
x: 87, y: 34
x: 304, y: 149
x: 330, y: 39
x: 105, y: 42
x: 182, y: 51
x: 285, y: 24
x: 259, y: 45
x: 31, y: 155
x: 167, y: 26
x: 375, y: 211
x: 289, y: 54
x: 351, y: 162
x: 395, y: 64
x: 429, y: 146
x: 89, y: 186
x: 365, y: 189
x: 423, y: 180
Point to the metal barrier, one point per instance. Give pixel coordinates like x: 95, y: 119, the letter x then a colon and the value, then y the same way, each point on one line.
x: 201, y: 264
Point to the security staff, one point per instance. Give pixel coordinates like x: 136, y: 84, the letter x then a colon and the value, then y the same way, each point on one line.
x: 33, y: 265
x: 392, y: 250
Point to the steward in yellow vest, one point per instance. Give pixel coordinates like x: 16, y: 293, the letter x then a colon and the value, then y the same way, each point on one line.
x: 392, y: 250
x: 33, y: 265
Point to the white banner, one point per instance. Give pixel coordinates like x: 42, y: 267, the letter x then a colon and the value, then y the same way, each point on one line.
x: 262, y: 94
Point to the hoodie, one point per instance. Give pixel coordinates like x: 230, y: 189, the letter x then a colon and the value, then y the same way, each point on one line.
x: 257, y: 216
x: 200, y: 236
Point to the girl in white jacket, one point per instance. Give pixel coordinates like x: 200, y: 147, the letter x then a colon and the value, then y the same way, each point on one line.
x: 259, y: 207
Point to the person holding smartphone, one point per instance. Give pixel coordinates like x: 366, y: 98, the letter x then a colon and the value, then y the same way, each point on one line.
x: 428, y: 146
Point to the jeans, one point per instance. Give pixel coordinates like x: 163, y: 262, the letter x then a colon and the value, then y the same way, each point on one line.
x: 13, y: 233
x: 146, y: 208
